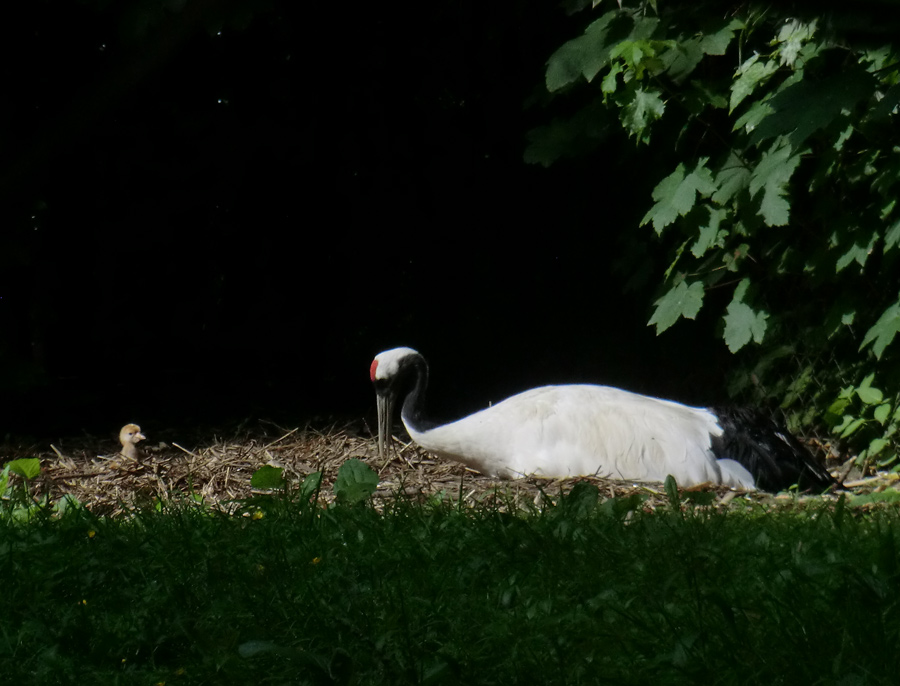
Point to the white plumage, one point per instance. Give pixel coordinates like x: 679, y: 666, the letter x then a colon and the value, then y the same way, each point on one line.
x: 571, y: 430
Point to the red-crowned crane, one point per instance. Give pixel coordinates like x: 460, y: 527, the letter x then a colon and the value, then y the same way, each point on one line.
x: 582, y: 430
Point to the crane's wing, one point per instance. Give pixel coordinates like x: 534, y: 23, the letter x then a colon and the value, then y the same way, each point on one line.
x: 583, y: 430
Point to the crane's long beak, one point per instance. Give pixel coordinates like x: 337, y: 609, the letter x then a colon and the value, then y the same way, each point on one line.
x: 385, y: 413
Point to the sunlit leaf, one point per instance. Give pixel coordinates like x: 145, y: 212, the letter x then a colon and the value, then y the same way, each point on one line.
x: 858, y: 252
x: 355, y: 482
x: 851, y: 428
x: 676, y: 194
x: 733, y: 177
x: 27, y: 468
x: 709, y: 233
x: 794, y: 33
x: 883, y: 331
x: 671, y: 487
x: 750, y: 75
x: 645, y: 107
x: 310, y: 485
x: 755, y: 114
x: 892, y: 236
x: 680, y: 301
x: 267, y: 477
x: 772, y: 175
x: 742, y: 322
x: 870, y: 396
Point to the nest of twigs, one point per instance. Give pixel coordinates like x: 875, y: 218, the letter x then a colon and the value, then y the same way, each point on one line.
x: 217, y: 472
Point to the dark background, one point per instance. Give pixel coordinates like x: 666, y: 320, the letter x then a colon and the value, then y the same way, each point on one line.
x: 221, y: 210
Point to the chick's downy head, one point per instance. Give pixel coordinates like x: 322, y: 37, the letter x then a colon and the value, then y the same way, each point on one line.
x: 129, y: 437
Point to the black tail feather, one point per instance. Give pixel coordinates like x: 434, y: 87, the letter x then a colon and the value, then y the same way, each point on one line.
x: 775, y: 458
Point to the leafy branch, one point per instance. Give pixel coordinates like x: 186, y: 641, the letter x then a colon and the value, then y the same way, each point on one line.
x: 784, y: 190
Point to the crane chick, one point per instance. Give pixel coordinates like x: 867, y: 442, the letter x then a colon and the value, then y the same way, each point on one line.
x: 129, y: 437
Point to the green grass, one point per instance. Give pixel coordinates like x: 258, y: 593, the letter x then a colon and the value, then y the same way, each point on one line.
x: 576, y: 594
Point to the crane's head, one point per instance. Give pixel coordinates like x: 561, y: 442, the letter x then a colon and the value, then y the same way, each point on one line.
x: 129, y: 437
x: 389, y: 372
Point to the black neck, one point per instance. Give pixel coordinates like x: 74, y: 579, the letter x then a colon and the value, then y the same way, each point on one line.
x: 413, y: 411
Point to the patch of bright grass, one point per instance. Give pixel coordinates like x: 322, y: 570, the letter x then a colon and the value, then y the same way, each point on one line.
x: 580, y: 593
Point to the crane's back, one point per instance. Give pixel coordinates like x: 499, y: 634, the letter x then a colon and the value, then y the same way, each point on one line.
x: 583, y: 430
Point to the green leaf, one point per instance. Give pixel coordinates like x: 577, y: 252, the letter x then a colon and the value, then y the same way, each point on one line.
x: 644, y: 27
x: 619, y: 507
x: 27, y: 468
x: 808, y: 105
x: 888, y: 458
x: 678, y: 253
x: 755, y: 114
x: 631, y: 52
x: 65, y: 504
x: 741, y: 291
x: 267, y: 477
x: 883, y: 331
x: 866, y: 392
x: 857, y: 252
x: 838, y: 427
x: 838, y: 406
x: 710, y: 236
x: 870, y: 396
x: 4, y: 480
x: 609, y: 83
x: 702, y: 498
x: 355, y: 482
x: 793, y: 35
x: 584, y: 56
x: 882, y: 412
x: 742, y: 322
x: 772, y: 175
x: 581, y: 500
x: 682, y: 58
x: 672, y: 492
x: 750, y: 75
x: 851, y: 428
x: 681, y: 301
x: 676, y: 194
x: 717, y: 43
x: 732, y: 178
x: 644, y: 108
x: 310, y: 485
x: 876, y: 446
x: 892, y: 236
